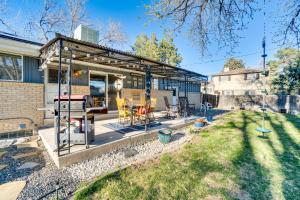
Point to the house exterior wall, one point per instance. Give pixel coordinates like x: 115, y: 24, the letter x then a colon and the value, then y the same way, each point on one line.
x: 136, y: 94
x: 31, y: 73
x: 194, y: 98
x: 237, y: 84
x: 19, y: 105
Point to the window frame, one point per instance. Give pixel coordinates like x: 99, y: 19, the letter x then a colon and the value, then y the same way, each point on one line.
x: 256, y: 76
x: 22, y: 68
x: 229, y: 78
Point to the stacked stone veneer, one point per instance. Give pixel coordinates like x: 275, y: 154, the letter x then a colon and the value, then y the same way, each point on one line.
x: 19, y: 105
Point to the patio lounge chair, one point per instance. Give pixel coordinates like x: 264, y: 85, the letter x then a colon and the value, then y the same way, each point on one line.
x: 171, y: 110
x: 185, y: 108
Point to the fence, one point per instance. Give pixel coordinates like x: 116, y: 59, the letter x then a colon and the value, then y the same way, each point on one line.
x: 210, y: 98
x: 286, y: 103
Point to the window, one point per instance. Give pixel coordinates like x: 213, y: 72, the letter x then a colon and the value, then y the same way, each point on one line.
x: 11, y: 67
x: 252, y: 76
x: 249, y: 92
x: 136, y: 82
x: 53, y: 73
x: 224, y: 78
x: 227, y: 92
x: 79, y: 77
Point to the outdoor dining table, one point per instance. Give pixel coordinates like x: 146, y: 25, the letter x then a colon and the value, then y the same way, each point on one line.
x: 133, y: 110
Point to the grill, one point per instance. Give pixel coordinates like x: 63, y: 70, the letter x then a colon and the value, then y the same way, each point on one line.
x: 81, y: 113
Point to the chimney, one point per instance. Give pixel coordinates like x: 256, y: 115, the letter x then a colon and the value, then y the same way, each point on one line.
x: 226, y: 69
x: 86, y: 34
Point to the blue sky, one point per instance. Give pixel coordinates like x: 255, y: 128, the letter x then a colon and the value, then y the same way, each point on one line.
x: 131, y: 14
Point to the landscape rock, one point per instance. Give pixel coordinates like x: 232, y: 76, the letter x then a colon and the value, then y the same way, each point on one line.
x: 28, y: 165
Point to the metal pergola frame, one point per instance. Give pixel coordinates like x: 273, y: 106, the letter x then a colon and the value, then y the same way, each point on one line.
x: 65, y: 50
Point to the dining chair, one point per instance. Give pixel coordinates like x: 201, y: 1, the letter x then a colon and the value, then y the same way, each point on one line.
x: 171, y: 110
x: 123, y: 110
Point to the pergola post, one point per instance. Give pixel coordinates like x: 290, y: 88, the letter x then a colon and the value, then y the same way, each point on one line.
x: 69, y: 100
x: 59, y: 93
x: 185, y: 86
x: 147, y: 94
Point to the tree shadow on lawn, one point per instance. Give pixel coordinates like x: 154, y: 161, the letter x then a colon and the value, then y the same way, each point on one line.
x: 184, y: 175
x: 252, y: 175
x: 289, y: 158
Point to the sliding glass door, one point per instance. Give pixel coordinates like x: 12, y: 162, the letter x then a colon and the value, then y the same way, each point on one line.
x: 98, y: 89
x: 103, y: 91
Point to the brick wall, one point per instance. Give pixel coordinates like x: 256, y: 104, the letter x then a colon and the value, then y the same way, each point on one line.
x: 19, y: 104
x: 76, y: 89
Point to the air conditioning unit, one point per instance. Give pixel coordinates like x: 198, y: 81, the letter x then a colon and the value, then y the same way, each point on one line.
x: 87, y: 34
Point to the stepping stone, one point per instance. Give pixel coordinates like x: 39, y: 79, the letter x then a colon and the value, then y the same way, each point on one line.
x: 2, y: 153
x: 28, y: 154
x: 28, y: 165
x: 2, y: 166
x: 28, y: 144
x: 12, y: 190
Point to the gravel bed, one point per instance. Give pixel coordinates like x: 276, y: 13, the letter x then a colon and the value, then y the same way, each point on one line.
x: 43, y: 180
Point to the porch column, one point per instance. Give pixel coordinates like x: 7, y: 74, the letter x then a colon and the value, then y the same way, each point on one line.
x: 185, y: 86
x: 147, y: 93
x: 58, y: 100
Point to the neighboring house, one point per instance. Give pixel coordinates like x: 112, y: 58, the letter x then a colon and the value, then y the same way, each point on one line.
x: 28, y: 79
x: 237, y: 82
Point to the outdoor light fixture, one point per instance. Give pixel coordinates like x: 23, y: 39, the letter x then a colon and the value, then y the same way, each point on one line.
x: 120, y: 76
x: 66, y: 48
x: 73, y: 56
x: 78, y: 73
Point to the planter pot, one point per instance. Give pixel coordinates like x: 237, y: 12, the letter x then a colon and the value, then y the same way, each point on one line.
x: 198, y: 124
x: 209, y: 118
x: 164, y: 136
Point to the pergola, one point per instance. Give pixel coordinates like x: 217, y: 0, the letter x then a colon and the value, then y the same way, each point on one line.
x: 64, y: 50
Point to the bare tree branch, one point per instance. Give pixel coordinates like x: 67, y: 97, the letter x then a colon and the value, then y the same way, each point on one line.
x: 77, y: 14
x: 290, y: 23
x: 206, y: 20
x: 113, y: 35
x: 51, y: 20
x: 3, y: 13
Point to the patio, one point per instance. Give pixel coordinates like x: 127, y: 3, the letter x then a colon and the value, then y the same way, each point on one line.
x: 108, y: 137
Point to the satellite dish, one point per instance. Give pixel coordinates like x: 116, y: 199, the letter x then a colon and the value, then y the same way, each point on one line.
x: 118, y: 84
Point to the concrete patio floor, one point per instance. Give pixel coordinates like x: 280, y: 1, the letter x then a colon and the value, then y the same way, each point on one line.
x: 106, y: 140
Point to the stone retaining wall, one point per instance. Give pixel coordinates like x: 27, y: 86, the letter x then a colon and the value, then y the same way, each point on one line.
x: 19, y: 104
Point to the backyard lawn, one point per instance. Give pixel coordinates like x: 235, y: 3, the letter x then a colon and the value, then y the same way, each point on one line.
x: 226, y: 161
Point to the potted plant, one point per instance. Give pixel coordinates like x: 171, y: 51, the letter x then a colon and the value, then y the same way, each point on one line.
x: 200, y: 122
x: 164, y: 135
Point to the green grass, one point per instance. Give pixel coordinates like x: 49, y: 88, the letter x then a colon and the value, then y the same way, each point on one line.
x: 227, y: 161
